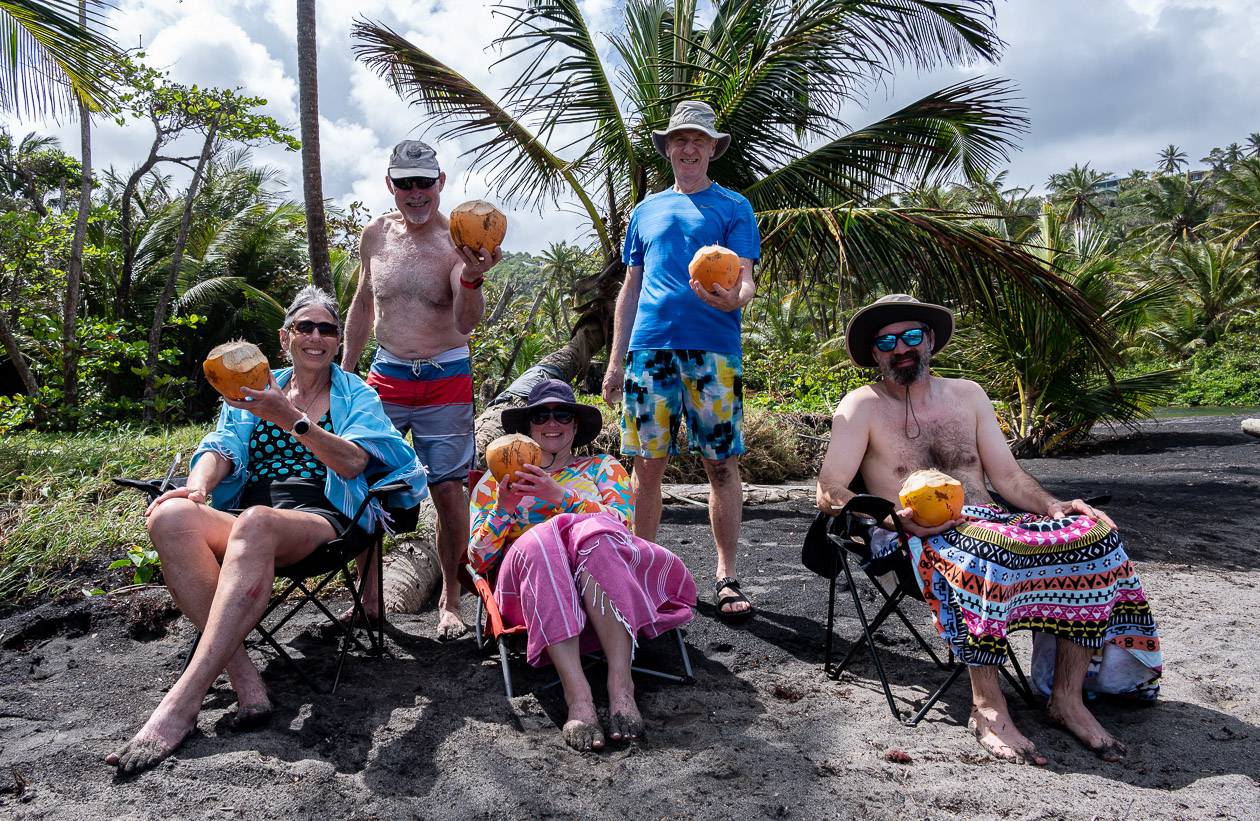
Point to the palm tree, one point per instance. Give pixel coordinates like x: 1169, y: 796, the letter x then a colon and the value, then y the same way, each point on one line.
x: 1078, y: 186
x: 1215, y: 160
x: 312, y: 176
x: 1177, y: 209
x: 1233, y: 154
x: 1172, y: 159
x: 1216, y: 285
x: 1253, y: 143
x: 1238, y: 193
x: 777, y: 72
x: 52, y: 60
x: 1051, y: 391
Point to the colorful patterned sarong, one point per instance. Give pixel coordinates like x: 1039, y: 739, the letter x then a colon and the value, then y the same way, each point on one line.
x: 433, y: 398
x: 1070, y: 578
x: 544, y: 575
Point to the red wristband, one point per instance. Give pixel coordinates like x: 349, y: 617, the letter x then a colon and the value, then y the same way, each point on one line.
x: 476, y: 283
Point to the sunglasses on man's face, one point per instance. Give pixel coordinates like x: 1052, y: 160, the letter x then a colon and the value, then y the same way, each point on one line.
x: 913, y: 338
x: 541, y: 416
x: 306, y: 327
x: 408, y: 183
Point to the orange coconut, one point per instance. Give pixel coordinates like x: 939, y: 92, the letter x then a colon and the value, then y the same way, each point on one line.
x: 235, y: 365
x: 510, y: 453
x: 933, y: 497
x: 478, y: 224
x: 715, y: 265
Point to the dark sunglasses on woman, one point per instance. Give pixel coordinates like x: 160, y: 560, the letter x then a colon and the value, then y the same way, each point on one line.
x: 913, y: 338
x: 408, y: 183
x: 540, y: 416
x: 306, y: 327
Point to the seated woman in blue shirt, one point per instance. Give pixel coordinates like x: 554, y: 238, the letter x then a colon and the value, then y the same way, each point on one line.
x: 294, y: 456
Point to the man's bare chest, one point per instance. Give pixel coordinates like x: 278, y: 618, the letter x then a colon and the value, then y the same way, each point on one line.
x: 907, y: 442
x: 407, y: 271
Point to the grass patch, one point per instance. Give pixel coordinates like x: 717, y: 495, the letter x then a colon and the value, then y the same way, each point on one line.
x: 59, y: 509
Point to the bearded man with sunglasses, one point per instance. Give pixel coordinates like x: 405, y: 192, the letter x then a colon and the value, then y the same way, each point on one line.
x: 1059, y: 568
x: 423, y: 295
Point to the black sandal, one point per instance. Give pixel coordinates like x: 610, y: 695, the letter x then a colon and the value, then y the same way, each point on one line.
x: 720, y: 601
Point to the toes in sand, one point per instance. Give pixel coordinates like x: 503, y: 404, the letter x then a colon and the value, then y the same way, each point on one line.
x: 1080, y: 722
x: 148, y: 749
x: 997, y: 734
x: 625, y: 723
x: 450, y: 626
x: 582, y: 736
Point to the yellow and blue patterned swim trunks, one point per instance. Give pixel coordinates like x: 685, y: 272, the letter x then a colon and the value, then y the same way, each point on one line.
x: 662, y: 384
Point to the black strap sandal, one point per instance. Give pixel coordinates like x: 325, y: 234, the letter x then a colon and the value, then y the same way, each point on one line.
x: 720, y: 601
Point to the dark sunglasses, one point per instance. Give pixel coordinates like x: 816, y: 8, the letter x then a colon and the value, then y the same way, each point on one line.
x: 408, y: 183
x: 913, y: 338
x: 306, y: 327
x: 540, y: 416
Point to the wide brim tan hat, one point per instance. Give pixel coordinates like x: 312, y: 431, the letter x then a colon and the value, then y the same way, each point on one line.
x: 692, y: 115
x: 859, y: 336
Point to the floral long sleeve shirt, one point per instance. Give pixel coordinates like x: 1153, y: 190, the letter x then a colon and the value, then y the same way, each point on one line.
x: 592, y: 484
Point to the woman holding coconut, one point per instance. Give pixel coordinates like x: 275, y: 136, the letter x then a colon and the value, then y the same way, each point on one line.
x: 574, y: 574
x: 293, y: 456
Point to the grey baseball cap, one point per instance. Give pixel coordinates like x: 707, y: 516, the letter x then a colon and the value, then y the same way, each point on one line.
x: 696, y: 116
x: 412, y: 158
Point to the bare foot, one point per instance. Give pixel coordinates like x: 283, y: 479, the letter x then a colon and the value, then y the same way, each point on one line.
x: 160, y: 736
x: 251, y: 715
x: 1080, y: 722
x: 625, y: 723
x: 998, y: 736
x: 372, y: 608
x: 582, y: 731
x: 450, y: 625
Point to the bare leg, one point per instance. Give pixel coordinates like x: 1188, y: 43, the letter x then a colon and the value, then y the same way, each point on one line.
x: 625, y: 721
x: 581, y: 730
x: 452, y: 541
x: 261, y: 537
x: 646, y: 481
x: 991, y: 720
x: 190, y: 540
x: 1068, y: 710
x: 726, y: 502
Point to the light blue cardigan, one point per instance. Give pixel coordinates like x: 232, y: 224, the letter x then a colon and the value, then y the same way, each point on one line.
x: 358, y: 417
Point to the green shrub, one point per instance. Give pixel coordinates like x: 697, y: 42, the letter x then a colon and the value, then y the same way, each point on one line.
x: 1226, y: 373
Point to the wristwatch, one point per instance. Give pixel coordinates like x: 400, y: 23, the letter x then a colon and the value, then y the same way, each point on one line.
x: 302, y: 426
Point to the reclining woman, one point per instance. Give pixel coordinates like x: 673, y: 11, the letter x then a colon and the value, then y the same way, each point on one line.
x: 575, y: 576
x: 294, y: 456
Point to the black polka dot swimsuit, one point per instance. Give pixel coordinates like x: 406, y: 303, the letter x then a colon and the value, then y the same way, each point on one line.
x: 285, y: 475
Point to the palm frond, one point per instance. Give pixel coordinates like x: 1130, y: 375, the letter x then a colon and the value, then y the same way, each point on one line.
x: 49, y: 62
x: 566, y: 83
x: 967, y: 128
x: 222, y: 289
x: 936, y: 255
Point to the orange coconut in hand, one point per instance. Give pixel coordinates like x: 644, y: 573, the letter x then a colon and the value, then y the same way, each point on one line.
x: 510, y: 453
x: 934, y: 498
x: 715, y: 265
x: 235, y: 365
x: 478, y: 224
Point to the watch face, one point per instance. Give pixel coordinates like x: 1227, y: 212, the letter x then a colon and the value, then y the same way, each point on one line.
x: 301, y: 426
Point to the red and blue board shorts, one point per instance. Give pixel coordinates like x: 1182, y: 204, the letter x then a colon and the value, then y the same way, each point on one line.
x: 432, y: 398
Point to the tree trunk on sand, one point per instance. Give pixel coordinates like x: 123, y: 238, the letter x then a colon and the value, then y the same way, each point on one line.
x: 1251, y: 426
x: 591, y: 334
x: 172, y: 276
x: 74, y: 271
x: 312, y: 176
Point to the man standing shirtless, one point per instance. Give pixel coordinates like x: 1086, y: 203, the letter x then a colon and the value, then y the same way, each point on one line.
x: 424, y: 296
x: 1060, y: 570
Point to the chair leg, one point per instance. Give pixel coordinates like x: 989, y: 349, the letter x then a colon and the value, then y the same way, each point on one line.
x: 505, y: 665
x: 689, y: 674
x: 870, y: 641
x: 1020, y: 681
x: 932, y: 699
x: 889, y: 607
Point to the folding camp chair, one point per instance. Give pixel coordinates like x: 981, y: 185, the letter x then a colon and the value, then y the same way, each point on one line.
x: 307, y: 578
x: 489, y: 627
x: 827, y: 548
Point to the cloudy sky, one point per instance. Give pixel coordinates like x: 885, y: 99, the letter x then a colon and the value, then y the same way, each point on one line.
x: 1109, y: 82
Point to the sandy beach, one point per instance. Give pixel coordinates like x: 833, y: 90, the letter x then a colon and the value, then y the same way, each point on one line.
x: 427, y: 733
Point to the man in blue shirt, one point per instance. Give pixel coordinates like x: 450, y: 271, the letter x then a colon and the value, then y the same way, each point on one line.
x: 676, y: 346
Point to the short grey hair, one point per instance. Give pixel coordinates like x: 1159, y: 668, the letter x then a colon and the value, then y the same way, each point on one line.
x: 312, y: 295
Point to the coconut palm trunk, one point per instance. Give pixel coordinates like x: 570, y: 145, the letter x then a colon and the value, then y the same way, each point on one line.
x: 312, y: 176
x: 74, y: 270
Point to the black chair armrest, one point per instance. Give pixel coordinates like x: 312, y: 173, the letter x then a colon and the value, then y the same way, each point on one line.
x: 384, y: 490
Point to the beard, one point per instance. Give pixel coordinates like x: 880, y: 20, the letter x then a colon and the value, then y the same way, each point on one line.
x: 908, y: 372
